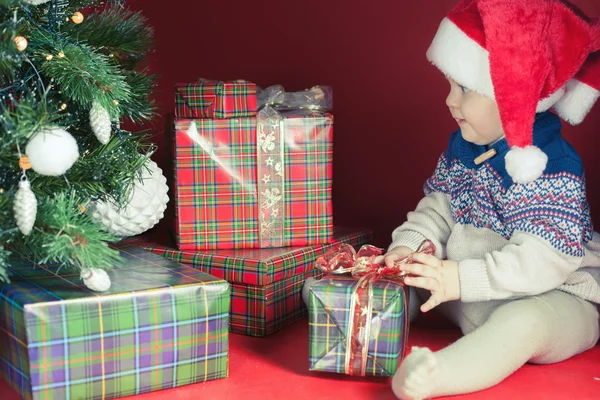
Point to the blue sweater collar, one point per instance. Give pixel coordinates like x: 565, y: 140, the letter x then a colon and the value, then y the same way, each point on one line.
x: 546, y: 128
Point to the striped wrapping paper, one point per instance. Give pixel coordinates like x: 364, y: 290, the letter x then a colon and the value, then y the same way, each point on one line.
x: 214, y: 99
x: 161, y: 325
x: 329, y: 326
x: 216, y: 182
x: 266, y: 284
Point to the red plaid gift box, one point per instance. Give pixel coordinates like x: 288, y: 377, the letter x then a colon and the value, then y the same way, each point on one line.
x: 214, y: 99
x: 266, y: 284
x: 239, y: 185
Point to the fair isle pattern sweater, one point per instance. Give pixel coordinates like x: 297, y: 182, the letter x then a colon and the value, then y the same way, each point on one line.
x: 510, y: 240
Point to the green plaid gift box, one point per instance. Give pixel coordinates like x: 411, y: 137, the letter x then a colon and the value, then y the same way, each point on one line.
x: 214, y: 99
x: 161, y: 325
x: 222, y: 172
x: 266, y: 284
x: 331, y: 330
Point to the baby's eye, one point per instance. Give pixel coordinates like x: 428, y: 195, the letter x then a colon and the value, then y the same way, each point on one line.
x: 464, y: 89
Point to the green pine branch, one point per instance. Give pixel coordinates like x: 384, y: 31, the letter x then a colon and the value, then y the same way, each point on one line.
x: 66, y: 234
x: 82, y: 74
x: 10, y: 27
x: 6, y: 215
x: 140, y: 107
x: 4, y: 278
x: 115, y: 30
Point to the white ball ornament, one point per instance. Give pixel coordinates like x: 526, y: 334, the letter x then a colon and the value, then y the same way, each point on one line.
x: 52, y: 151
x: 100, y: 122
x: 145, y: 207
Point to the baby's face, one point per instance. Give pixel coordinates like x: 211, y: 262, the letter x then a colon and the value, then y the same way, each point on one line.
x: 477, y: 115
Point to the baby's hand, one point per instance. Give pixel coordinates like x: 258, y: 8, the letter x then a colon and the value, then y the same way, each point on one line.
x: 439, y: 277
x: 395, y: 254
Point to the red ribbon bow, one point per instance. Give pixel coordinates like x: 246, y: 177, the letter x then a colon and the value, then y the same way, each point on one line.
x: 342, y: 258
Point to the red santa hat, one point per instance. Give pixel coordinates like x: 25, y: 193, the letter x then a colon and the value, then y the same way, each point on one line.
x: 581, y: 92
x: 527, y: 55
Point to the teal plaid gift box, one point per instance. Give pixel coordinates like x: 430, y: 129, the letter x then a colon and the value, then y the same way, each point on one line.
x: 266, y: 284
x: 161, y: 325
x: 332, y: 334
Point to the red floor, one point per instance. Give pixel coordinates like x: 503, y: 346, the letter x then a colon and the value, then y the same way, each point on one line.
x: 276, y: 368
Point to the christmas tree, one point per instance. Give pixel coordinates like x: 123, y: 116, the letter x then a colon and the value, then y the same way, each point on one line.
x: 69, y: 76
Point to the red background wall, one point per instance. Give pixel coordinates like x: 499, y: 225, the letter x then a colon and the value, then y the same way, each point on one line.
x: 391, y: 121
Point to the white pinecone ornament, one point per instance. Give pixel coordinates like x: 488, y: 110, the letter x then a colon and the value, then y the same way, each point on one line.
x: 35, y: 2
x: 25, y: 207
x: 96, y: 279
x: 145, y: 207
x: 100, y: 123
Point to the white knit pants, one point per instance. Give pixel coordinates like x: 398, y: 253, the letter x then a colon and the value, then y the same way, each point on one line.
x: 501, y: 336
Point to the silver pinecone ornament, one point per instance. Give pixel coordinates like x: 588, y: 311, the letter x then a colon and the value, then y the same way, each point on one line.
x: 96, y: 279
x: 25, y: 207
x: 100, y: 122
x: 35, y: 2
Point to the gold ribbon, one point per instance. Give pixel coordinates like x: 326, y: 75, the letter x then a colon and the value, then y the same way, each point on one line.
x: 270, y: 162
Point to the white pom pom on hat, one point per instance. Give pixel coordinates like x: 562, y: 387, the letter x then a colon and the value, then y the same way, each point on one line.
x: 548, y: 59
x: 525, y: 164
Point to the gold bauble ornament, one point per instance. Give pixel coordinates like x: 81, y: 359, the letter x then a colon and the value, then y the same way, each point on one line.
x: 77, y: 17
x: 20, y: 42
x: 24, y: 163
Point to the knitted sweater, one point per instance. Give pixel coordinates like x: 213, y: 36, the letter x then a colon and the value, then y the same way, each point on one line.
x: 510, y: 240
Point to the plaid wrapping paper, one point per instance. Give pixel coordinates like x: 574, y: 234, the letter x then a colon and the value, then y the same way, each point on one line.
x: 161, y: 325
x: 266, y: 284
x: 255, y: 266
x: 329, y: 316
x: 215, y: 182
x: 263, y: 310
x: 214, y: 99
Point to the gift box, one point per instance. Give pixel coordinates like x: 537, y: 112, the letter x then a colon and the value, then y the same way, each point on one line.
x: 358, y: 313
x: 256, y: 182
x: 331, y: 333
x: 214, y: 99
x: 159, y: 326
x: 266, y: 284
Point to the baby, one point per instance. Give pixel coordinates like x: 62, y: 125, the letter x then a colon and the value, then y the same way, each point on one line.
x: 516, y: 266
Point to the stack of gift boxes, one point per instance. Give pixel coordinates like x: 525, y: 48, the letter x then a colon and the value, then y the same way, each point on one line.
x: 252, y: 186
x: 252, y: 183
